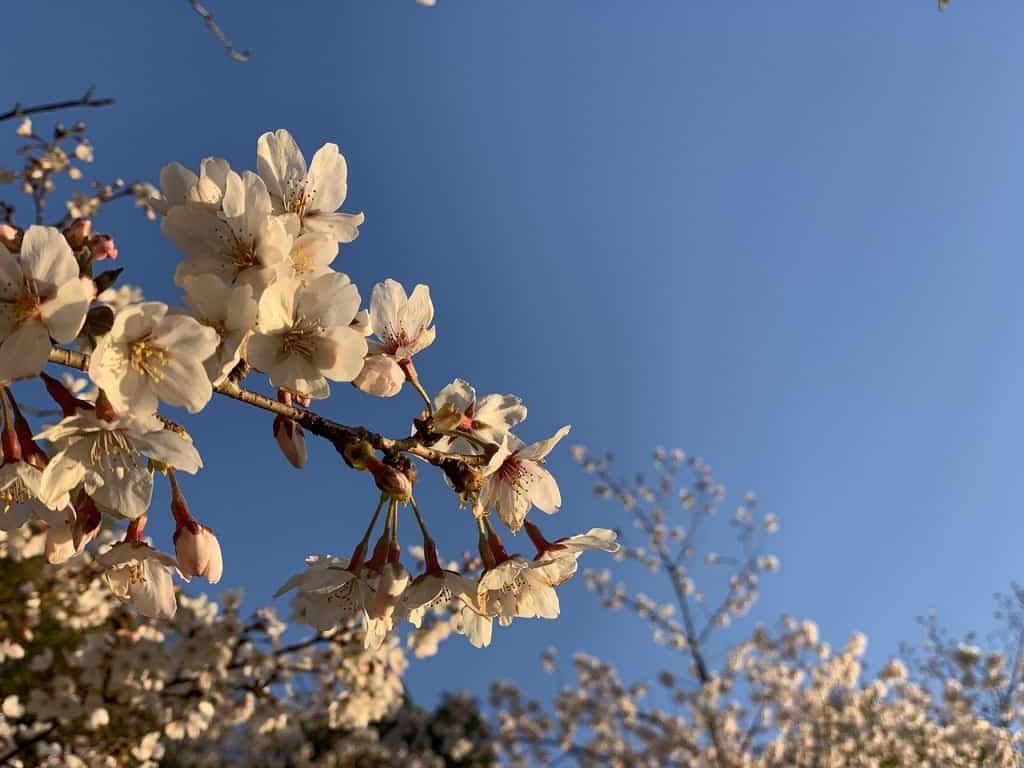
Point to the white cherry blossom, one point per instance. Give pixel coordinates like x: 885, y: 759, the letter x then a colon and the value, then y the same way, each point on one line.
x: 245, y: 244
x: 105, y: 457
x: 328, y: 592
x: 139, y: 574
x: 382, y: 612
x: 230, y: 310
x: 180, y: 186
x: 314, y: 195
x: 432, y: 589
x: 150, y: 355
x: 303, y: 336
x: 516, y: 481
x: 21, y: 498
x: 41, y: 296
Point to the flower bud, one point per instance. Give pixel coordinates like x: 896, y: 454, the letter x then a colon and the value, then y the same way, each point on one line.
x: 198, y: 552
x: 102, y: 247
x: 391, y: 481
x: 78, y: 233
x: 357, y: 453
x: 291, y: 439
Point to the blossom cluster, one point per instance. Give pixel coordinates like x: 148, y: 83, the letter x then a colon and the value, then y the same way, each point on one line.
x: 88, y: 683
x: 260, y: 295
x: 778, y: 697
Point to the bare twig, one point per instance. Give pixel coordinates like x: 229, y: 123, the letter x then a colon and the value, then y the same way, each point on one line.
x: 88, y: 100
x: 217, y: 32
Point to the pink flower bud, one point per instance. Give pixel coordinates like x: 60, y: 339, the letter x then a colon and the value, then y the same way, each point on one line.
x: 198, y: 552
x: 291, y: 439
x: 102, y: 247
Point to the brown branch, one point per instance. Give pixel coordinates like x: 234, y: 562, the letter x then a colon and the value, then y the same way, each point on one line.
x: 339, y: 435
x: 217, y: 32
x: 88, y: 100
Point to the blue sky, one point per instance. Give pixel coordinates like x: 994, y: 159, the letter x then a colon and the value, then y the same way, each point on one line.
x: 784, y: 236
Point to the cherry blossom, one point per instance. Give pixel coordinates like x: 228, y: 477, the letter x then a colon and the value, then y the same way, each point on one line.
x: 517, y: 481
x: 230, y: 310
x: 328, y: 592
x: 487, y: 419
x: 139, y: 574
x: 150, y: 355
x: 303, y: 336
x: 314, y: 195
x: 180, y: 186
x: 41, y: 296
x: 245, y: 244
x: 402, y: 325
x: 105, y: 457
x: 21, y: 498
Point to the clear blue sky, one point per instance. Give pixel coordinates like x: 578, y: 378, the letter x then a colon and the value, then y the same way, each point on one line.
x: 785, y: 236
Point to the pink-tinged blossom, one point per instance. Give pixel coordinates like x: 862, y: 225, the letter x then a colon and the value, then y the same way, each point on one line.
x: 102, y: 247
x: 556, y: 561
x: 517, y: 481
x: 41, y: 296
x: 402, y: 325
x: 487, y: 419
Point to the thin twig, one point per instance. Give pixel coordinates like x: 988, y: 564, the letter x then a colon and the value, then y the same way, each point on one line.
x: 88, y: 100
x: 217, y: 32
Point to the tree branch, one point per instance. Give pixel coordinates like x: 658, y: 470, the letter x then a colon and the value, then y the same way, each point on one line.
x: 339, y: 435
x: 217, y: 32
x: 88, y: 100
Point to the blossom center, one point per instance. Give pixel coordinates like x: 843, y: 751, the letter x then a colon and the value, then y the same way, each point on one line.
x: 299, y: 340
x: 148, y: 359
x: 296, y: 198
x: 112, y: 449
x: 16, y: 493
x: 242, y: 255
